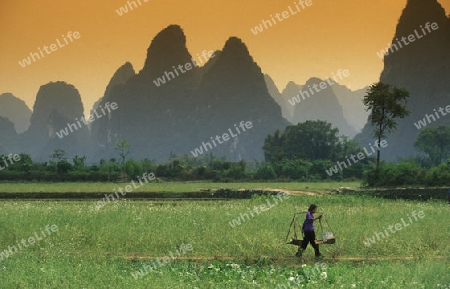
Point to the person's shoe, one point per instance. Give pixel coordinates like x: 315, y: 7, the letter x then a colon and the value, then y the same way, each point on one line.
x: 320, y: 257
x: 299, y: 253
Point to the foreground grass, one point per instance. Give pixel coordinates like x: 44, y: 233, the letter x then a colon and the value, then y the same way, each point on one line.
x: 176, y: 187
x: 153, y: 228
x: 92, y: 248
x: 70, y: 272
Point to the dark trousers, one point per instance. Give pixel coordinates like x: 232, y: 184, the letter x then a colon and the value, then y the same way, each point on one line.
x: 310, y: 237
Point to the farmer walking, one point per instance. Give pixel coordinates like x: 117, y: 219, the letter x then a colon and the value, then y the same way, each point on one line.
x: 308, y: 231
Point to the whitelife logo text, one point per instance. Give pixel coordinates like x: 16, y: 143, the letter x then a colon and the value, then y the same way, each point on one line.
x: 147, y: 177
x: 431, y: 118
x: 411, y: 38
x: 73, y: 126
x: 28, y: 242
x: 393, y: 228
x: 35, y: 56
x: 159, y: 262
x: 259, y: 209
x: 169, y: 75
x: 361, y: 156
x: 130, y: 4
x: 221, y: 139
x: 10, y: 160
x: 307, y: 92
x: 281, y: 16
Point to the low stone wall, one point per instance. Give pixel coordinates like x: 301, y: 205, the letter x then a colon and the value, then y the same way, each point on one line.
x: 241, y: 194
x: 422, y: 194
x: 204, y: 195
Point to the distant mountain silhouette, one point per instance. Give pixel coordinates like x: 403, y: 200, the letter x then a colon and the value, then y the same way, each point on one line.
x: 120, y: 77
x: 8, y: 137
x: 234, y: 90
x: 16, y: 111
x: 276, y: 95
x: 164, y: 109
x: 102, y: 129
x: 57, y: 105
x: 291, y: 90
x: 154, y: 118
x: 313, y: 105
x: 422, y: 68
x: 352, y: 105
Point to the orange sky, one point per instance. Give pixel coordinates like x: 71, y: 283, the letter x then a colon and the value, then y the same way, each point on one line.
x: 318, y: 41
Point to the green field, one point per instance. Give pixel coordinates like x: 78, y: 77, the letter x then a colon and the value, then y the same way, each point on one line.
x: 175, y: 187
x: 106, y: 248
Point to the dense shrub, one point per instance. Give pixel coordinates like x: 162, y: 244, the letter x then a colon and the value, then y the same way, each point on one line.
x: 438, y: 176
x: 407, y: 173
x: 265, y: 172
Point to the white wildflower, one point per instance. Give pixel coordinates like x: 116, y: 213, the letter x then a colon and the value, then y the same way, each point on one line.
x: 235, y: 266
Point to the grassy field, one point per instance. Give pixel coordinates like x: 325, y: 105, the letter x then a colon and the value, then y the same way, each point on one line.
x: 175, y: 187
x: 107, y: 248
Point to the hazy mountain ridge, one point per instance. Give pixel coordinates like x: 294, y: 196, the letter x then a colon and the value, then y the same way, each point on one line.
x: 290, y: 91
x: 57, y: 105
x: 8, y: 136
x: 342, y: 107
x: 352, y: 105
x: 16, y: 111
x: 322, y: 105
x: 102, y: 128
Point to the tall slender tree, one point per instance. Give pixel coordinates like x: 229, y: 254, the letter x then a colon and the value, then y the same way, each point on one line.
x: 58, y: 155
x: 124, y: 150
x: 386, y: 104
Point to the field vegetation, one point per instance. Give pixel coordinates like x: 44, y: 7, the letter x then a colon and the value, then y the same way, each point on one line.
x: 168, y: 187
x: 103, y: 248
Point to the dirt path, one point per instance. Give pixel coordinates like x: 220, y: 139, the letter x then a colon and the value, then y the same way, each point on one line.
x: 275, y: 259
x: 279, y: 260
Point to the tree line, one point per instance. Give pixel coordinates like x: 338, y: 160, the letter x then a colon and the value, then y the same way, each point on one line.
x: 302, y: 152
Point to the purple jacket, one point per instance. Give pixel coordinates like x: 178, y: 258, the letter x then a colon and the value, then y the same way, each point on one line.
x: 308, y: 225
